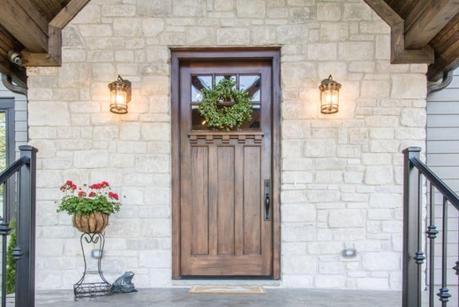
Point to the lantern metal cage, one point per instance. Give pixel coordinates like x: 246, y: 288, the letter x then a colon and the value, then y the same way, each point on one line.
x: 329, y: 96
x: 120, y: 95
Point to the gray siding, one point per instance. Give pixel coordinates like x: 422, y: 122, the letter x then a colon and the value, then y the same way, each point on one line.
x: 20, y: 115
x: 443, y: 153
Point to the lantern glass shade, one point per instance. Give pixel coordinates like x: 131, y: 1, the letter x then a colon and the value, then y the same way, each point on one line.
x: 120, y: 95
x: 329, y: 96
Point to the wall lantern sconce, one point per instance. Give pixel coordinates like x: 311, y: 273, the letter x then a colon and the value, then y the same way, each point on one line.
x: 120, y: 95
x: 329, y: 96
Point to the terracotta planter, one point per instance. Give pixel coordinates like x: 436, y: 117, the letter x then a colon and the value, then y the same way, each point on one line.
x: 91, y: 223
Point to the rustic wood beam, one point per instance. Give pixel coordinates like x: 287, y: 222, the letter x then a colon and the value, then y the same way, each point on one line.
x: 16, y: 21
x: 447, y: 60
x: 426, y: 20
x: 68, y: 13
x: 29, y: 7
x: 400, y: 55
x: 53, y: 56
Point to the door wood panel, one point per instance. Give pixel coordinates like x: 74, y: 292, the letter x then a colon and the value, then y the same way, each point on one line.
x: 224, y: 229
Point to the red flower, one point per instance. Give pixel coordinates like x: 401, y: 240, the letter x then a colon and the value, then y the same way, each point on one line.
x: 81, y: 194
x: 100, y: 185
x: 112, y: 195
x: 68, y: 185
x: 92, y: 194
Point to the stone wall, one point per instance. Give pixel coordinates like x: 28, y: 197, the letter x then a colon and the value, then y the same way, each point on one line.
x: 341, y: 174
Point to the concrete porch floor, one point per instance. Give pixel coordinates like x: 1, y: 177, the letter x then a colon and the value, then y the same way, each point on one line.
x: 273, y: 297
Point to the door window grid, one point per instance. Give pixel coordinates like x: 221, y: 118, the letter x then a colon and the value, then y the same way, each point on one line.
x: 251, y: 83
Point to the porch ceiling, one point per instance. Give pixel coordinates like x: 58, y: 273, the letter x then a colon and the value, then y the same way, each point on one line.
x: 32, y: 28
x: 422, y: 32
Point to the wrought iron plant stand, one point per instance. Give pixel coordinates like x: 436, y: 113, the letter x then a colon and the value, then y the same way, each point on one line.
x: 94, y: 288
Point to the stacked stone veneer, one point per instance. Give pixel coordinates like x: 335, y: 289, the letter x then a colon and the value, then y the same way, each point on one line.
x: 341, y: 174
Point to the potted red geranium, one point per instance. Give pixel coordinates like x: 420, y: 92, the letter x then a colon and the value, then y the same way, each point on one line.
x: 90, y: 206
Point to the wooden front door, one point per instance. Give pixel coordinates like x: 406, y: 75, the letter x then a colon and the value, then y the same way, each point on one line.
x: 226, y: 226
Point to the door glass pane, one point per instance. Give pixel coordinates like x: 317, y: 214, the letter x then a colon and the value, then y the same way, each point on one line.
x: 218, y: 78
x: 198, y: 83
x: 250, y: 84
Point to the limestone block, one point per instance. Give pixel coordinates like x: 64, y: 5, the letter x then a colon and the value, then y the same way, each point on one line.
x: 91, y: 159
x: 300, y: 265
x: 224, y: 5
x: 413, y: 117
x: 385, y: 200
x: 40, y: 115
x: 320, y: 148
x: 127, y: 27
x: 253, y: 8
x: 379, y: 175
x: 357, y: 11
x: 328, y: 11
x: 362, y: 51
x: 193, y: 8
x: 346, y: 218
x: 130, y: 131
x: 155, y: 131
x: 322, y: 51
x: 333, y: 31
x: 297, y: 177
x: 99, y: 30
x: 298, y: 213
x: 381, y: 261
x: 409, y: 86
x: 118, y: 10
x: 154, y: 7
x: 233, y: 36
x: 298, y: 232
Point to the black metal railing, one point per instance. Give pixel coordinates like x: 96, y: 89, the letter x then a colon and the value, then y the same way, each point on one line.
x: 24, y: 214
x: 418, y: 176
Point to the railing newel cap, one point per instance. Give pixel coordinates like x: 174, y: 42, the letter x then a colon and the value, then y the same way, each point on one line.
x: 412, y: 149
x: 27, y: 148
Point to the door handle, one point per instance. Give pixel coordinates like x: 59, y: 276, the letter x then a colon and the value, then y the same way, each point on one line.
x: 267, y: 193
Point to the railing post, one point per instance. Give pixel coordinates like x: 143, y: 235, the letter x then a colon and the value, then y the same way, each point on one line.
x: 24, y: 252
x: 411, y: 230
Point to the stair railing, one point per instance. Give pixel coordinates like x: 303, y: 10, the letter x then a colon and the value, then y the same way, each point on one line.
x: 414, y: 234
x: 24, y: 252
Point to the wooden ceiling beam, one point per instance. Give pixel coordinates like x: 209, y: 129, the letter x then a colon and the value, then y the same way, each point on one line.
x: 68, y: 13
x: 446, y: 60
x: 426, y: 20
x: 17, y: 22
x: 399, y: 54
x: 55, y: 26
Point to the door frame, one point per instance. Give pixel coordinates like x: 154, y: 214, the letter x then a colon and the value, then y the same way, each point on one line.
x: 186, y: 54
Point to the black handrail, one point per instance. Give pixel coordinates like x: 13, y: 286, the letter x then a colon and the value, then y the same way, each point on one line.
x: 13, y: 168
x: 414, y: 234
x: 24, y: 251
x: 440, y: 185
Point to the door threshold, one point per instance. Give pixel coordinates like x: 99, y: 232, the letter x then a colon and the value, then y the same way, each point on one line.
x: 226, y: 282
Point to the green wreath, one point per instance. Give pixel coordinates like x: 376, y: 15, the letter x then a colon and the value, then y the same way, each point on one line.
x: 225, y: 107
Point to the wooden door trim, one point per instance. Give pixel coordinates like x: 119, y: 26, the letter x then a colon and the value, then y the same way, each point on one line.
x: 178, y: 55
